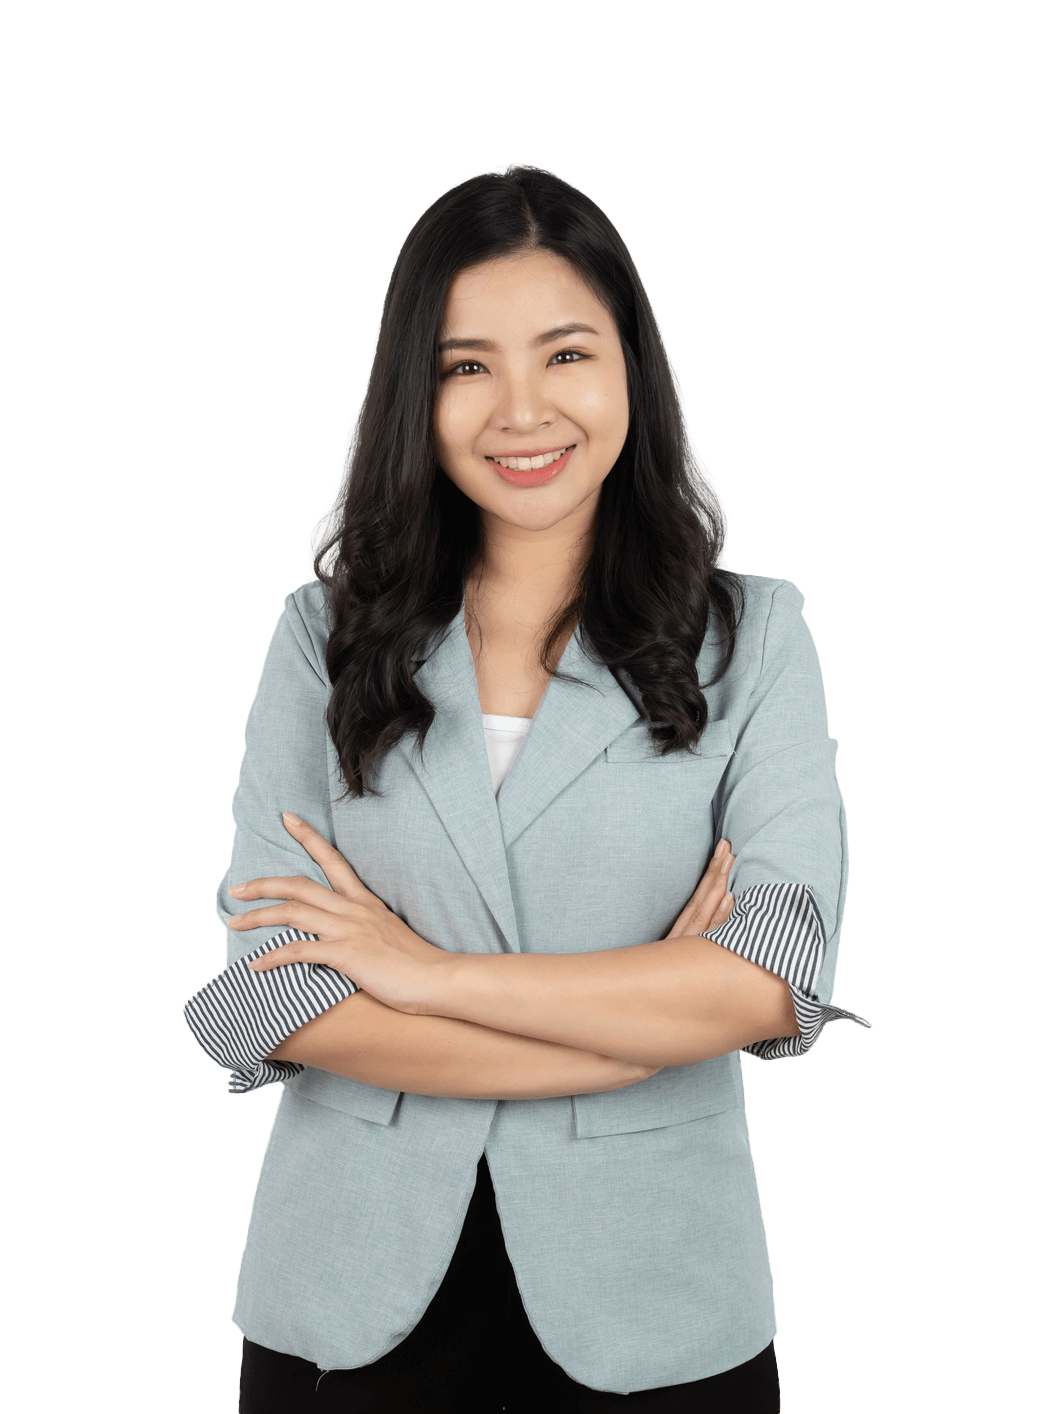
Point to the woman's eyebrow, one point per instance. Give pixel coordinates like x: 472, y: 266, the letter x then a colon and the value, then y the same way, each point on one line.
x: 487, y: 346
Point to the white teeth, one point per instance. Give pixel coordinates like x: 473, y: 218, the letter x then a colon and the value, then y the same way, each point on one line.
x: 529, y: 463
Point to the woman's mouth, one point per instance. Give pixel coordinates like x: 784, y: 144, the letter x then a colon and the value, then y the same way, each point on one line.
x: 533, y: 469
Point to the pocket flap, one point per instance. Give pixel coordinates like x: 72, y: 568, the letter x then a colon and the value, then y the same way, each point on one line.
x: 353, y: 1097
x: 675, y: 1095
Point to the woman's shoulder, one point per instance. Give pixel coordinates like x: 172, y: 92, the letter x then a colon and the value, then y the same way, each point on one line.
x: 763, y: 594
x: 771, y: 610
x: 766, y: 602
x: 309, y: 603
x: 305, y: 617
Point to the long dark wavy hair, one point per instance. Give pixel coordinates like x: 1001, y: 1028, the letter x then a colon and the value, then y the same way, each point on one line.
x: 404, y: 538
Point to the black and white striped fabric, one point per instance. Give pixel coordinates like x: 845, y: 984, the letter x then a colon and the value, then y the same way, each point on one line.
x: 242, y: 1015
x: 779, y: 927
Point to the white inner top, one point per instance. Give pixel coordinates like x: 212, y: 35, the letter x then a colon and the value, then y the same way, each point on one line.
x: 503, y: 736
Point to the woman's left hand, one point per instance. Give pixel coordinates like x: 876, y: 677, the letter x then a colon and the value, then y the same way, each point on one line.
x: 710, y: 904
x: 357, y: 934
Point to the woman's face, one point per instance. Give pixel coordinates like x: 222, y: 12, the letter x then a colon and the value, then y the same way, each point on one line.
x: 531, y: 365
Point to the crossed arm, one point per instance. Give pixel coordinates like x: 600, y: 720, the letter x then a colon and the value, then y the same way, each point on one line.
x: 536, y: 1025
x: 672, y: 1002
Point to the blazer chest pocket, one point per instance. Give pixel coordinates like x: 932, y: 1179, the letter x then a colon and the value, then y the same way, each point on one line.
x: 635, y: 747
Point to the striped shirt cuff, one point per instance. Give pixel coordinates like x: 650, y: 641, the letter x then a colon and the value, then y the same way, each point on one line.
x: 242, y: 1015
x: 779, y: 927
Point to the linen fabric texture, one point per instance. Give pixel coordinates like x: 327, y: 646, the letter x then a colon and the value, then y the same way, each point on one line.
x: 631, y: 1217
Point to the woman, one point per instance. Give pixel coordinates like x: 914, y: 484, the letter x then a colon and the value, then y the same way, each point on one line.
x: 510, y: 1169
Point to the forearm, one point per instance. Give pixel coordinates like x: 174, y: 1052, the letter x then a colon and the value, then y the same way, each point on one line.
x: 673, y: 1002
x: 435, y: 1055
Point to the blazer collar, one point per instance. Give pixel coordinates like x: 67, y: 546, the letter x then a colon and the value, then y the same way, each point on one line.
x: 573, y: 724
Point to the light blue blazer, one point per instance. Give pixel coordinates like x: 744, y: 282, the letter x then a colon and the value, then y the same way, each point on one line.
x: 631, y: 1217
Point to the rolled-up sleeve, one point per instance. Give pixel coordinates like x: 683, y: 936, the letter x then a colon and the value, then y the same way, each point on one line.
x: 780, y: 807
x: 242, y: 1015
x: 779, y: 927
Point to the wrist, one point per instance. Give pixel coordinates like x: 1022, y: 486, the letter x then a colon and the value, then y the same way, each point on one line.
x: 439, y: 984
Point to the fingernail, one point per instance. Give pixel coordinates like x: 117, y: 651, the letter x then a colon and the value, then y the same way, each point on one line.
x: 289, y: 815
x: 236, y: 888
x: 727, y: 863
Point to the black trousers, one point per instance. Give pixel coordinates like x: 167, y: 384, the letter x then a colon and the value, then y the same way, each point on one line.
x: 474, y: 1352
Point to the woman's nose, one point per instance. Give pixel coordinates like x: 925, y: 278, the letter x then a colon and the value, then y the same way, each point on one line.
x: 522, y: 404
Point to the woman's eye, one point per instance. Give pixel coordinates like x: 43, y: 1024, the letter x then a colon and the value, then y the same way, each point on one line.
x: 471, y: 362
x: 468, y: 365
x: 566, y: 356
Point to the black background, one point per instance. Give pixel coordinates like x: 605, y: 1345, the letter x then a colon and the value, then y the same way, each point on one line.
x: 776, y: 308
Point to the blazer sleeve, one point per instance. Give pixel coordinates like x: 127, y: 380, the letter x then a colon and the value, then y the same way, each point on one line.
x: 780, y: 807
x: 241, y: 1016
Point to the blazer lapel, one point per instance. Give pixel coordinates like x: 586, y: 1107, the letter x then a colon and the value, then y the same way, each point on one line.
x: 572, y: 726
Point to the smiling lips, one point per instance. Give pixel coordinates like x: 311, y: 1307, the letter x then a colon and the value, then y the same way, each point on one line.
x: 532, y: 461
x: 533, y: 469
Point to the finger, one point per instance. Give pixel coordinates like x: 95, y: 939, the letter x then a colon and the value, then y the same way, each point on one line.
x: 304, y: 950
x: 714, y: 880
x: 718, y: 865
x: 282, y: 957
x: 300, y: 950
x: 339, y: 873
x: 722, y: 860
x: 296, y: 886
x: 285, y: 915
x: 708, y: 919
